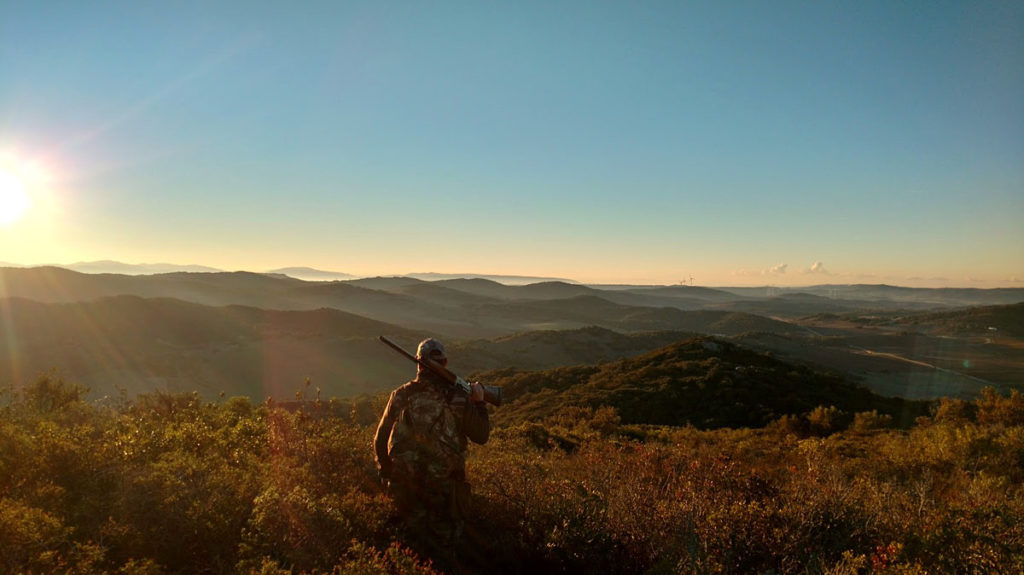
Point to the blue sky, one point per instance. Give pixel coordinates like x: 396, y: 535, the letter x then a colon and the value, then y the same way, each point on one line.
x: 742, y: 143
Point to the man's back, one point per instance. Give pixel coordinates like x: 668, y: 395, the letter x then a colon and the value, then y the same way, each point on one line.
x: 420, y: 447
x: 426, y: 443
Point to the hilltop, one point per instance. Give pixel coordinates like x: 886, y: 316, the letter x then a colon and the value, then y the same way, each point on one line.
x: 705, y: 382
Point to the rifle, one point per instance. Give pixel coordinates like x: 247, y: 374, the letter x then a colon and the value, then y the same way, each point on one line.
x: 492, y: 393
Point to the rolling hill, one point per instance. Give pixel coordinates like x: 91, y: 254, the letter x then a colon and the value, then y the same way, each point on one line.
x: 987, y: 320
x: 538, y: 350
x: 184, y: 330
x: 136, y: 344
x: 705, y: 382
x: 465, y: 309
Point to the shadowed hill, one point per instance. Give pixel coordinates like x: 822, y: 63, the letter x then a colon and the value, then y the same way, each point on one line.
x: 686, y: 292
x: 682, y: 297
x: 704, y: 381
x: 582, y: 311
x: 988, y: 320
x: 481, y: 287
x: 549, y: 349
x: 385, y: 283
x: 795, y: 305
x: 257, y: 290
x: 533, y: 291
x: 435, y: 292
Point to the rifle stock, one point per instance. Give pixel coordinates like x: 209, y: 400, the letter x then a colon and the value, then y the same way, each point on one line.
x: 492, y: 393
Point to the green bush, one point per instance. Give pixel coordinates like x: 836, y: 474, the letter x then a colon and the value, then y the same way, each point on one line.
x: 167, y: 483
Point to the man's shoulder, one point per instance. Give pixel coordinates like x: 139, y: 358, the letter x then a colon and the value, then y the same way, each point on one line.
x: 407, y: 389
x: 407, y: 386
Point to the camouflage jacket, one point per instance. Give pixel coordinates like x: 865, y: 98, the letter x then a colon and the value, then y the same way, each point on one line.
x: 424, y: 430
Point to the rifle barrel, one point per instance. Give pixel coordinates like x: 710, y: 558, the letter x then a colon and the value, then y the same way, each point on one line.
x: 492, y: 394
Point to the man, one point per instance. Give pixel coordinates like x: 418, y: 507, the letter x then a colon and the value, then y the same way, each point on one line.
x: 420, y: 448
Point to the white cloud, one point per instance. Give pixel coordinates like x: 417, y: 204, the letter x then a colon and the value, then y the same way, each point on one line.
x: 777, y: 269
x: 818, y: 268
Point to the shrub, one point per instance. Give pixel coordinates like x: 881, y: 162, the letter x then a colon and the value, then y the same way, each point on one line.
x: 169, y: 484
x: 871, y: 421
x: 826, y: 420
x: 953, y: 411
x: 996, y: 409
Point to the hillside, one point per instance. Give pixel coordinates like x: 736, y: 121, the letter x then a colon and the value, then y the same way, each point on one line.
x: 141, y: 345
x: 799, y: 304
x: 892, y: 350
x: 460, y: 309
x: 952, y: 353
x: 538, y: 350
x: 586, y: 310
x: 482, y: 308
x: 705, y: 382
x: 997, y: 320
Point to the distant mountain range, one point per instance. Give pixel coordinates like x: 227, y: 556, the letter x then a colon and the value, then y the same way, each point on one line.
x: 463, y: 308
x: 115, y: 267
x: 310, y: 274
x: 299, y: 272
x: 504, y: 279
x: 827, y: 297
x: 262, y: 334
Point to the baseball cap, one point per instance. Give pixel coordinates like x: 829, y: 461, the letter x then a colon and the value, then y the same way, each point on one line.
x: 430, y: 348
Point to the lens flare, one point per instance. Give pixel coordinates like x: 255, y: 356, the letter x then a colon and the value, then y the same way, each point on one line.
x: 14, y: 201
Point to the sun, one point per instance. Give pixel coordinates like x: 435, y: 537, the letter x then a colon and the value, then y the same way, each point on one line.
x: 14, y: 201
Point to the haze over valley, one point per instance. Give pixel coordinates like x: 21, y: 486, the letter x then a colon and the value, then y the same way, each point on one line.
x: 265, y: 335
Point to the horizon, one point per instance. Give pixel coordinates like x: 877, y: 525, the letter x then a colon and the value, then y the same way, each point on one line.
x: 739, y: 144
x: 114, y: 267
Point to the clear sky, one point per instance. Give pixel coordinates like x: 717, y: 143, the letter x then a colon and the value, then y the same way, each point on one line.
x: 741, y: 143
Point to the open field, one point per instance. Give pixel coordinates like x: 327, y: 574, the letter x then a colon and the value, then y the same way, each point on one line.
x: 913, y: 364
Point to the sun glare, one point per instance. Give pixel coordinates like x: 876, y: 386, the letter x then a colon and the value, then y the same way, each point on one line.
x: 14, y: 201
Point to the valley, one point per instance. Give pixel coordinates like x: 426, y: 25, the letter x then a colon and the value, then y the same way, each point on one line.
x: 259, y: 335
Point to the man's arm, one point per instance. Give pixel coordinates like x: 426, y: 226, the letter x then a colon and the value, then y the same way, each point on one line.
x: 380, y: 439
x: 475, y: 422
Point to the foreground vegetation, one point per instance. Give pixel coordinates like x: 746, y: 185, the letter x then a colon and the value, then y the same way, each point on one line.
x: 172, y: 484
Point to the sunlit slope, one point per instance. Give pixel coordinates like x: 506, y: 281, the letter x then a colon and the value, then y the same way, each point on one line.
x: 703, y: 381
x: 145, y: 344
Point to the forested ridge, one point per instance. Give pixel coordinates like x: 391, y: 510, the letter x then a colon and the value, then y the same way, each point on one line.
x: 703, y: 381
